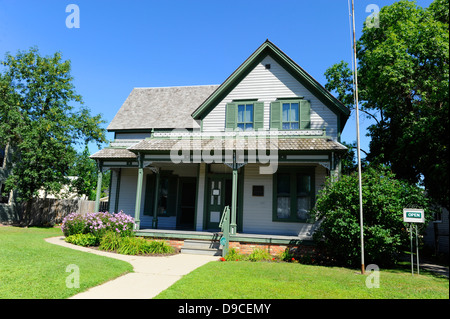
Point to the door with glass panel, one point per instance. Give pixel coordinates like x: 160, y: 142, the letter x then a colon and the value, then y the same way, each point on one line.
x: 218, y: 196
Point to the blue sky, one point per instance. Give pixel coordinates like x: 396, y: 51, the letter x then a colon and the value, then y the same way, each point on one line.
x: 125, y: 44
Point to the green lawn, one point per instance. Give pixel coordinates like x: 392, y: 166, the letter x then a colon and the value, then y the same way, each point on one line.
x: 31, y: 268
x: 262, y: 280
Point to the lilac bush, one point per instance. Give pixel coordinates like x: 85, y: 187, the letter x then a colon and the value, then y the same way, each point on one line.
x: 98, y: 224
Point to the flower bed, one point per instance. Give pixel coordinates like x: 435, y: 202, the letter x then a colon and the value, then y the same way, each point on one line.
x: 110, y: 232
x: 97, y: 224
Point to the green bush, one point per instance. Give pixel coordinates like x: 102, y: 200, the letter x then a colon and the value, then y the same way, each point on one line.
x: 259, y: 255
x: 160, y: 247
x: 133, y: 246
x: 385, y: 233
x: 110, y: 241
x: 256, y: 255
x: 233, y: 255
x: 84, y: 240
x: 286, y: 255
x: 113, y: 241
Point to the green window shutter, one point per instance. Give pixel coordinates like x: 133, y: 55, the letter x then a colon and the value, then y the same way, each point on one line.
x: 305, y: 114
x: 275, y: 115
x: 258, y: 116
x: 230, y: 116
x: 172, y: 196
x: 149, y: 194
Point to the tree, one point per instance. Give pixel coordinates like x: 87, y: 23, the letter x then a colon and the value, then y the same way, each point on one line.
x: 85, y: 169
x: 38, y: 120
x: 403, y: 77
x: 385, y: 233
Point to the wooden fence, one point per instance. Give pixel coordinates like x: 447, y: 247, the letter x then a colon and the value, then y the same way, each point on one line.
x: 49, y: 211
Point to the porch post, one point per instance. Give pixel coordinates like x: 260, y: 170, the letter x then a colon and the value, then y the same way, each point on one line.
x: 137, y: 209
x: 234, y: 196
x: 99, y: 185
x: 155, y: 202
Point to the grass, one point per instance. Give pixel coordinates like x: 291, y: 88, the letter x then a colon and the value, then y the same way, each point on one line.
x: 31, y: 268
x: 263, y: 280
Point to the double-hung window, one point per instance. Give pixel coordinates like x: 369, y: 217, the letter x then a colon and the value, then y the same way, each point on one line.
x: 245, y: 117
x: 293, y: 194
x: 290, y: 114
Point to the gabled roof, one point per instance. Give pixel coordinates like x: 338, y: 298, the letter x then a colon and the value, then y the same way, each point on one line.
x: 268, y: 48
x: 164, y: 107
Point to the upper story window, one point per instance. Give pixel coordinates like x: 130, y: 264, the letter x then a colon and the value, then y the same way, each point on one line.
x: 244, y: 115
x: 290, y: 114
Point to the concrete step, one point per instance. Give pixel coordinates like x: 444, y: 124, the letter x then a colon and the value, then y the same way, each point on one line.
x: 201, y: 247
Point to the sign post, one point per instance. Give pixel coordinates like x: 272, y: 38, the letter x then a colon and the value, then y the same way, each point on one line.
x: 414, y: 216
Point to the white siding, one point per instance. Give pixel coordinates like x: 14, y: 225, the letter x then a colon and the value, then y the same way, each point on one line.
x: 257, y: 215
x: 267, y: 85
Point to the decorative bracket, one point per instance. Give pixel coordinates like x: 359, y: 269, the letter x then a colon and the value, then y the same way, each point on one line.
x: 325, y: 164
x: 154, y: 169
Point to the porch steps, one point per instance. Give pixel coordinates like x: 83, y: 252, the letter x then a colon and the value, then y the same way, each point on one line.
x: 201, y: 247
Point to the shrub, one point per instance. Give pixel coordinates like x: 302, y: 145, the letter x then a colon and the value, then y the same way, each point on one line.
x: 113, y: 241
x: 133, y: 246
x: 233, y: 255
x: 160, y: 247
x: 97, y: 224
x: 285, y: 255
x: 110, y: 241
x: 256, y: 255
x: 385, y: 234
x: 84, y: 240
x: 259, y: 255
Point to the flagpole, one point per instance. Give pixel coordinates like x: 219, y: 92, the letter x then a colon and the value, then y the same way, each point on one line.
x: 357, y: 141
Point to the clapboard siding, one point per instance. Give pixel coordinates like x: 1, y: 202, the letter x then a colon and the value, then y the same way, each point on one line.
x: 257, y: 211
x: 267, y: 85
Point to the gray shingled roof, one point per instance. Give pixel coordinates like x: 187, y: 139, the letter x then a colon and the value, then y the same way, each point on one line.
x: 165, y: 107
x: 114, y: 153
x: 283, y: 144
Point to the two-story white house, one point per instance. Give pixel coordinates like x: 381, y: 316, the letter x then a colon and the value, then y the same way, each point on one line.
x: 262, y: 143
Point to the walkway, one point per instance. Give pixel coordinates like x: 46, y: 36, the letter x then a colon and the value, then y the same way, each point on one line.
x: 151, y: 274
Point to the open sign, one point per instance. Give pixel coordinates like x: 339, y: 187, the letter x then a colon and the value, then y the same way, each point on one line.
x: 413, y: 215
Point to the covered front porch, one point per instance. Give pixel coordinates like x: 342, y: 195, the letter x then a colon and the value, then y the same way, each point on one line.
x: 182, y: 194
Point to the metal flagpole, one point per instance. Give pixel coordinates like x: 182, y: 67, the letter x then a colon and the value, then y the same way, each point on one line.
x: 357, y: 141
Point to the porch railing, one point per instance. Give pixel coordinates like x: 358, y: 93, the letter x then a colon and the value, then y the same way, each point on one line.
x: 224, y: 226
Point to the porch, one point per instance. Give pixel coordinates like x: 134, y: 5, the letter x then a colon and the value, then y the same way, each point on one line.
x: 178, y: 192
x: 208, y: 242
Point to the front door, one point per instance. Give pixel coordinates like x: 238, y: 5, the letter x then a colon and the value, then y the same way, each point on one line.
x: 218, y: 196
x: 186, y: 205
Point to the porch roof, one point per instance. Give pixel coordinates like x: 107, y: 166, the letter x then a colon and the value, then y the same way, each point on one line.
x: 282, y: 144
x: 113, y: 153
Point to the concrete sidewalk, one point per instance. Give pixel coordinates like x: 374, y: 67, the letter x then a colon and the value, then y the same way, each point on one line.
x: 151, y: 274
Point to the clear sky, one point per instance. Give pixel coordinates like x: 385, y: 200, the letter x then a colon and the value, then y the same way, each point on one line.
x: 120, y: 45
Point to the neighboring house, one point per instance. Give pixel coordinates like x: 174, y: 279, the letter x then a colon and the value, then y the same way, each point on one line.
x: 262, y: 142
x: 66, y: 192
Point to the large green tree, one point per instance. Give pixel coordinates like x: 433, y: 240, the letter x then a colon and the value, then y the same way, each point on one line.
x: 403, y: 77
x: 43, y: 119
